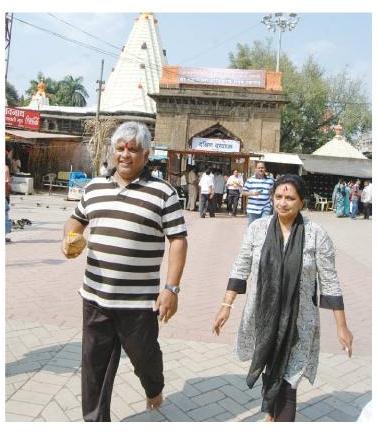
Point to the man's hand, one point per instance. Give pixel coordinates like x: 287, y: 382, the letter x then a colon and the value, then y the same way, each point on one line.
x: 73, y: 244
x: 166, y: 304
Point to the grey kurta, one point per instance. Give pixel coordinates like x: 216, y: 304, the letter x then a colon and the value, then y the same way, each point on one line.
x: 318, y: 260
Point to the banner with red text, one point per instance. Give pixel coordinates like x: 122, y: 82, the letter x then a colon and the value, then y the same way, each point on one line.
x: 22, y: 119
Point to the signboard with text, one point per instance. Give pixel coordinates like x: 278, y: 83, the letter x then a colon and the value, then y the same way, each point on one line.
x: 222, y: 77
x: 216, y: 145
x: 22, y: 119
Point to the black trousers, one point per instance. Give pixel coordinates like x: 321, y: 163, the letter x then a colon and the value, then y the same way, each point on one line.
x: 367, y: 210
x: 105, y: 331
x: 233, y: 200
x: 218, y: 200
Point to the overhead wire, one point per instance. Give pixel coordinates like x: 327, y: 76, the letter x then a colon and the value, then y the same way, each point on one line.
x: 75, y: 41
x: 84, y: 32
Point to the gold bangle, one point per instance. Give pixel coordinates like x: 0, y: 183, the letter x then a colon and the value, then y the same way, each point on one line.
x: 227, y: 304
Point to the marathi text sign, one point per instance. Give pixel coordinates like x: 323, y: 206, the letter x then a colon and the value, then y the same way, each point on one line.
x: 222, y: 77
x: 216, y: 145
x: 23, y: 119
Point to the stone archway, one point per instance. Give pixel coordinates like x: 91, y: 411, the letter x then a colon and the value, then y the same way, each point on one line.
x: 216, y: 131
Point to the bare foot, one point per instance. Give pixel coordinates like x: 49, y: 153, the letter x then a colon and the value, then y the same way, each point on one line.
x: 268, y: 418
x: 155, y: 402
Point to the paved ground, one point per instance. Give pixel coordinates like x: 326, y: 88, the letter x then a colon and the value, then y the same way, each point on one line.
x: 204, y: 382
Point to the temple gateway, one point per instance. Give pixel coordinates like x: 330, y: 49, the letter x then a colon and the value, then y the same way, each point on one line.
x: 217, y: 117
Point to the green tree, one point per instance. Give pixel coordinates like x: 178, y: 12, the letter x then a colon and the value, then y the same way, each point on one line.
x: 316, y: 101
x: 11, y: 95
x: 68, y: 92
x: 71, y: 92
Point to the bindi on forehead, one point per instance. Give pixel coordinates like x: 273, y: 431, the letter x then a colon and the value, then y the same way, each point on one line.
x: 130, y: 145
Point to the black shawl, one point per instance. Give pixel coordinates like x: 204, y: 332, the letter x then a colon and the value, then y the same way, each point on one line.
x: 276, y: 307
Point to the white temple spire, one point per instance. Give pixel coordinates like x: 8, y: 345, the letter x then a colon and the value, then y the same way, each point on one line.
x: 137, y: 71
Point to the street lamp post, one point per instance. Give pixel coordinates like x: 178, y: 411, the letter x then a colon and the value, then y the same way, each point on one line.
x: 279, y: 22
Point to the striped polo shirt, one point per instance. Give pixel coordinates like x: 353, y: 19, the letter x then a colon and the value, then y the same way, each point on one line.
x: 256, y: 204
x: 126, y: 241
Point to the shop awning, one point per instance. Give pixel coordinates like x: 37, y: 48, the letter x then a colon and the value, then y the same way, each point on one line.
x: 347, y: 167
x: 281, y: 158
x: 37, y: 135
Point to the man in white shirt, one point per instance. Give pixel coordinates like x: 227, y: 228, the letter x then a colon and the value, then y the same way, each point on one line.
x: 366, y: 198
x: 206, y: 185
x: 234, y: 186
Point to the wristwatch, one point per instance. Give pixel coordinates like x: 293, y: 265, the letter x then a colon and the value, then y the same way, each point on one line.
x: 175, y: 289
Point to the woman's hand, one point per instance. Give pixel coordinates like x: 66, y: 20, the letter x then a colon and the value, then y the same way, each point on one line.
x: 221, y: 319
x: 345, y: 338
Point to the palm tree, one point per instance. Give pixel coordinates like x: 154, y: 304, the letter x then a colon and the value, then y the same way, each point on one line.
x: 72, y: 92
x: 11, y: 95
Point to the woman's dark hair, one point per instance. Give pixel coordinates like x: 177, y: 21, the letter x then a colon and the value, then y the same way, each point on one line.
x: 208, y: 171
x: 294, y: 180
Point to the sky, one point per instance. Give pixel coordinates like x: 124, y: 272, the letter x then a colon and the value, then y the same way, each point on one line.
x: 338, y: 41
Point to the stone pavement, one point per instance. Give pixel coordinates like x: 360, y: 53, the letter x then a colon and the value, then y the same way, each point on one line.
x: 204, y: 381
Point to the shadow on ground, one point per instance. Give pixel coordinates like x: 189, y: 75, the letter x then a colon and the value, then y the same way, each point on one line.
x: 56, y: 358
x: 213, y: 398
x: 226, y: 398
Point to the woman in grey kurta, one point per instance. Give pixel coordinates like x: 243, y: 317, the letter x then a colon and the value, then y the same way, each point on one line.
x: 317, y: 269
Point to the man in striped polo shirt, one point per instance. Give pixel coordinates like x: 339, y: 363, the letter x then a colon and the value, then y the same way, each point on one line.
x: 129, y: 214
x: 258, y: 189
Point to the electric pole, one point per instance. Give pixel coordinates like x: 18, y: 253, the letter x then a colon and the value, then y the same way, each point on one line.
x: 8, y: 37
x: 98, y: 135
x: 99, y: 90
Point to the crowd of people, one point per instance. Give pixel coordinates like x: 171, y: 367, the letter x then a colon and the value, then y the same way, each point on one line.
x: 211, y: 189
x: 349, y: 198
x: 208, y: 191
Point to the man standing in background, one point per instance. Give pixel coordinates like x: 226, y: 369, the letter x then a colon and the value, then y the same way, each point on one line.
x: 192, y: 188
x: 366, y: 199
x: 258, y: 189
x: 206, y: 185
x: 218, y: 188
x: 234, y: 186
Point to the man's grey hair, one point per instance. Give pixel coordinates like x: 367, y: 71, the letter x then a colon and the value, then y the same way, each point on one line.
x: 259, y: 162
x: 132, y: 130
